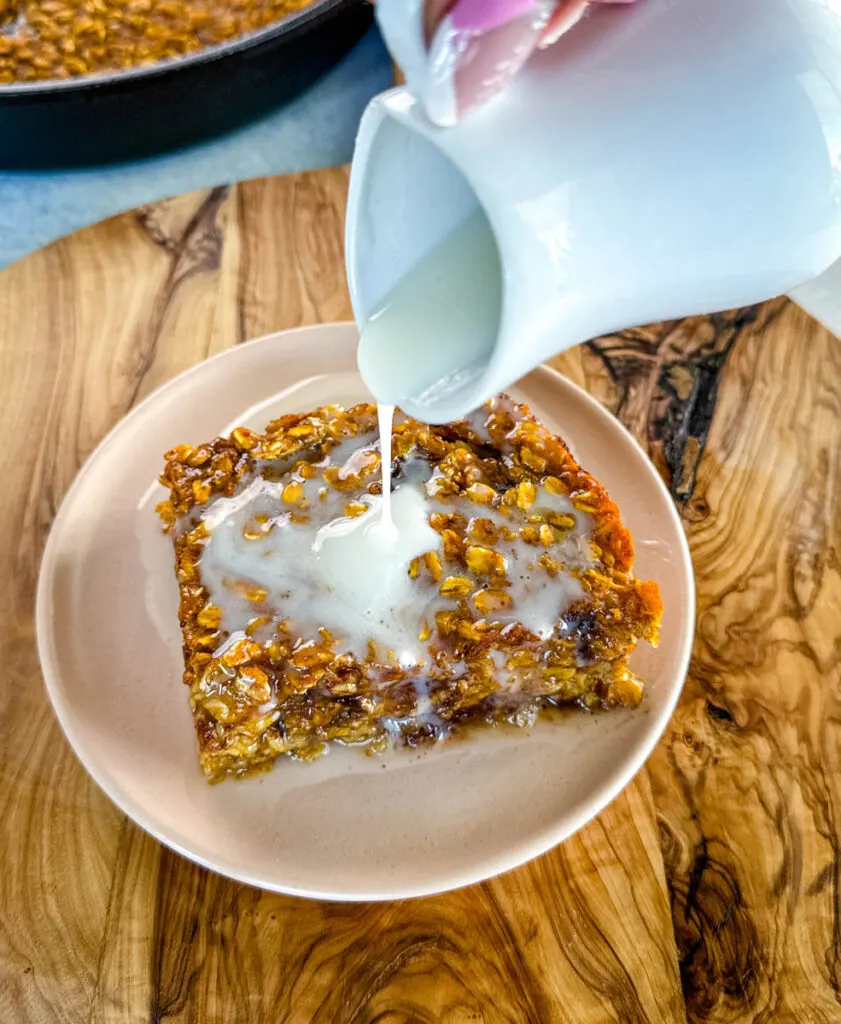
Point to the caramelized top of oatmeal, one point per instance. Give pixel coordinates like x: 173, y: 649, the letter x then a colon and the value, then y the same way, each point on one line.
x: 513, y: 581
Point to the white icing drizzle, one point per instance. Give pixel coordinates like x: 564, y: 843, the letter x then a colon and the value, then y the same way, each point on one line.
x: 350, y: 574
x: 385, y: 421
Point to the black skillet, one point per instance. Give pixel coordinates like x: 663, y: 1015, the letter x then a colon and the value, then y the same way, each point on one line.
x: 142, y: 111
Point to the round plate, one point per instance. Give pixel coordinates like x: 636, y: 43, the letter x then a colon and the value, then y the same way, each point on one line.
x: 349, y: 826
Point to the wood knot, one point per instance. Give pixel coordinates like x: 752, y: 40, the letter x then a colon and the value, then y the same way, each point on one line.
x: 718, y: 943
x: 720, y: 714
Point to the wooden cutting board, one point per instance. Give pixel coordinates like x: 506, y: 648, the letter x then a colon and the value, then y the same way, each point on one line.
x: 710, y: 889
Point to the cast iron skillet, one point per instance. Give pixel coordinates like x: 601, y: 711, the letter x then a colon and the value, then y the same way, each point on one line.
x: 142, y: 111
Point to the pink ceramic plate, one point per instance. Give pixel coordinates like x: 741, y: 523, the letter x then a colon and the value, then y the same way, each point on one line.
x: 348, y: 827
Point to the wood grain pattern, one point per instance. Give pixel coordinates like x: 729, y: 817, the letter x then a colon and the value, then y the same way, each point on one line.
x: 709, y: 890
x: 742, y: 412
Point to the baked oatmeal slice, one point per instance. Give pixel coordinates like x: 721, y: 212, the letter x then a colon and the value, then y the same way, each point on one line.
x: 519, y: 593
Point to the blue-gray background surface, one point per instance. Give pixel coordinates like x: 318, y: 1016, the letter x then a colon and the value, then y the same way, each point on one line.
x: 315, y: 130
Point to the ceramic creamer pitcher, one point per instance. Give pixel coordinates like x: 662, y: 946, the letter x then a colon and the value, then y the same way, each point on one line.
x: 663, y: 159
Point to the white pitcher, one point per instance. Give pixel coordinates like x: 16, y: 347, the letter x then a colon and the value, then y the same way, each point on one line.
x: 664, y: 159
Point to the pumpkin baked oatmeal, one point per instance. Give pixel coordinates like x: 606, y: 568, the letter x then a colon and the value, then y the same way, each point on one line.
x: 60, y: 39
x: 504, y: 588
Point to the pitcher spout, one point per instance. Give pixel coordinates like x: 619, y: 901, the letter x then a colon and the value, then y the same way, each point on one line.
x: 424, y: 270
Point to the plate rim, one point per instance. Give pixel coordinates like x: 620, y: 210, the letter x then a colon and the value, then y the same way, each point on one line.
x: 516, y: 855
